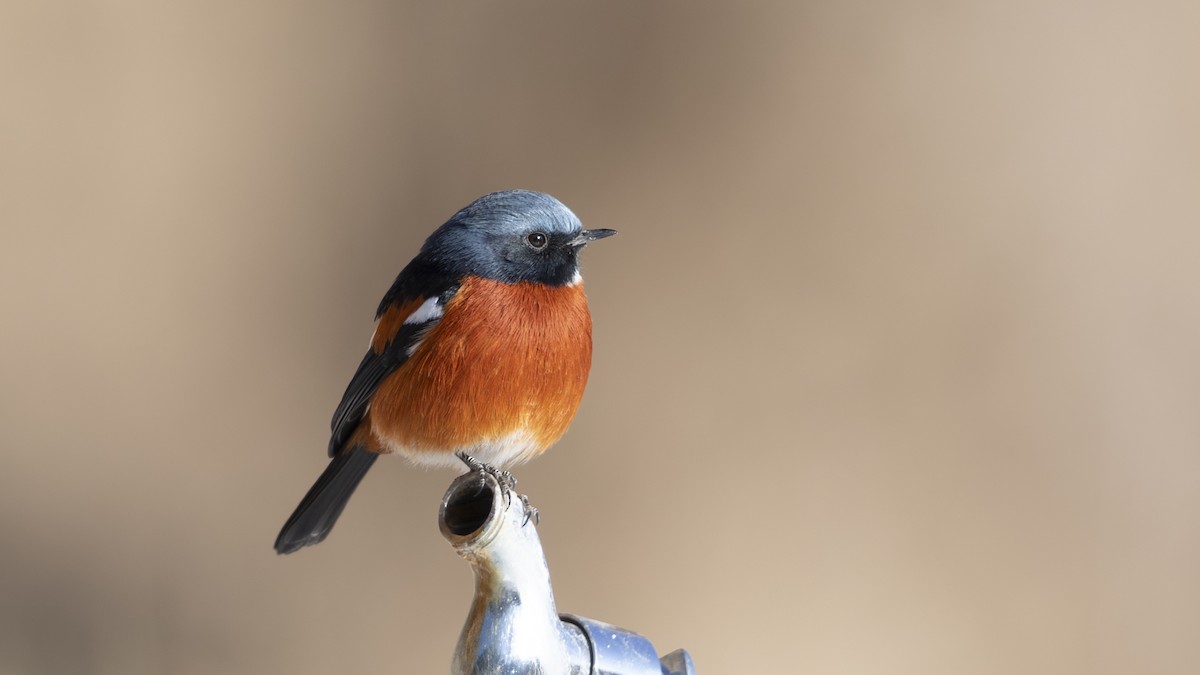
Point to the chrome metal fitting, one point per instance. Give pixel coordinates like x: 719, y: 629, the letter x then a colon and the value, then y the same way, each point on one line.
x: 513, y: 626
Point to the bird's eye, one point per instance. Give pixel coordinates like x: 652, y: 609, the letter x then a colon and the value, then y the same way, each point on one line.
x: 537, y: 240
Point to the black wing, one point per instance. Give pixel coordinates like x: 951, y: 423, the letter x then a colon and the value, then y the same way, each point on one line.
x: 418, y: 281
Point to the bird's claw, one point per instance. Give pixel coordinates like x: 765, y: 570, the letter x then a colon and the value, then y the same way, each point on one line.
x: 474, y: 466
x: 507, y: 483
x: 531, y: 512
x: 505, y: 479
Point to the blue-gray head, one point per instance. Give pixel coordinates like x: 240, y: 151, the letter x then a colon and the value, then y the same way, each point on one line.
x: 512, y: 236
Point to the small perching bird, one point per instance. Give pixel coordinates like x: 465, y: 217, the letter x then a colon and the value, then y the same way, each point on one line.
x: 482, y: 348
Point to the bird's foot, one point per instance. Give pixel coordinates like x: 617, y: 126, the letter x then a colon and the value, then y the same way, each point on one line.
x: 531, y: 512
x: 507, y: 483
x: 474, y: 466
x: 504, y: 479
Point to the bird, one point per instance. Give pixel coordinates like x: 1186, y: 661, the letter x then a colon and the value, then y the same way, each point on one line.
x: 481, y: 352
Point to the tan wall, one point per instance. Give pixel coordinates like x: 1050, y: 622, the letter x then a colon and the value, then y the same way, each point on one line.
x: 897, y: 353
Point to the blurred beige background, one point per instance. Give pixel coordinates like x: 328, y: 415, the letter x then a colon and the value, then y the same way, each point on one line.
x: 896, y: 355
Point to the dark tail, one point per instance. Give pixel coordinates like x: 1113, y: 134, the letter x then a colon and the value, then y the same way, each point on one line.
x: 319, y: 510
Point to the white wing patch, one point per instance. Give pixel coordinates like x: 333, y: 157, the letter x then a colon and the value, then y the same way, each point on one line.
x: 428, y: 311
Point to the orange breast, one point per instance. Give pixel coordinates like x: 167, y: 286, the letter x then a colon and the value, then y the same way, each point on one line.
x: 504, y: 359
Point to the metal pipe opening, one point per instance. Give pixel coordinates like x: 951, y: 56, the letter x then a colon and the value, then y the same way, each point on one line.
x: 467, y: 509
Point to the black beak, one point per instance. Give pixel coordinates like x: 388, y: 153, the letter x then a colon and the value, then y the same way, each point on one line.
x: 588, y: 236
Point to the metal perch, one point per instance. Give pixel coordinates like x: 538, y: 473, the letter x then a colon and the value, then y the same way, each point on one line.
x: 513, y: 626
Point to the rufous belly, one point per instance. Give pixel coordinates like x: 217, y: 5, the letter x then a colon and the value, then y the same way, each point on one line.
x: 500, y: 376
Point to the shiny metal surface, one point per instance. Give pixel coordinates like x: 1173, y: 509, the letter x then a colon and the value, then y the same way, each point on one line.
x: 616, y: 651
x: 678, y: 662
x: 513, y: 627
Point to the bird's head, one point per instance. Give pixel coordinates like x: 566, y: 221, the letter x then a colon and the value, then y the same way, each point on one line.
x: 512, y: 236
